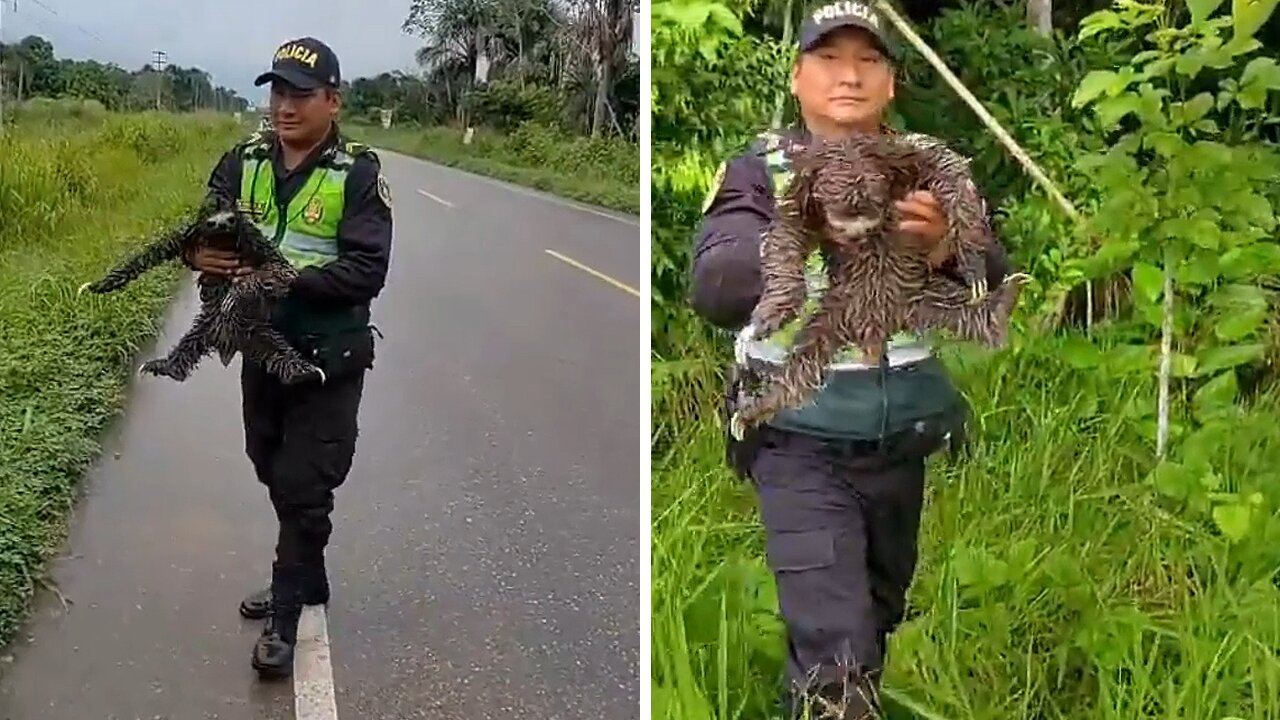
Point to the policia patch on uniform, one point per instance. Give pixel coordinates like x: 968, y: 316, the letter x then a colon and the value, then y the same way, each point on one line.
x: 313, y: 212
x: 715, y: 187
x: 384, y: 190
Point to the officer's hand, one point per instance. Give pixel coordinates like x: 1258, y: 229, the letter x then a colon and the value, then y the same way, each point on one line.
x: 217, y: 262
x: 924, y: 221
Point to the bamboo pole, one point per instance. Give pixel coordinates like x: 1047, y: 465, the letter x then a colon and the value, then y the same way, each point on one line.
x: 996, y: 129
x: 976, y: 105
x: 992, y: 124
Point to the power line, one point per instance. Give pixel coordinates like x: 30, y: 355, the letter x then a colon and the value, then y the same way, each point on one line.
x: 54, y: 12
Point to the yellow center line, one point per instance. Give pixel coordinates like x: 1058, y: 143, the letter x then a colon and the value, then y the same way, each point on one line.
x: 616, y: 283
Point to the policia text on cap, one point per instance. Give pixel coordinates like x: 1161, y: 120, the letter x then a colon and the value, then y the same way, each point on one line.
x: 325, y: 201
x: 841, y: 480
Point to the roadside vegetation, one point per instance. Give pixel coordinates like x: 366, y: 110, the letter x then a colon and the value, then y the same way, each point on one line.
x: 96, y: 159
x: 555, y: 105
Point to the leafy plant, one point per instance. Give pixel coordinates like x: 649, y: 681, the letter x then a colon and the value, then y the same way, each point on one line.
x: 1187, y: 209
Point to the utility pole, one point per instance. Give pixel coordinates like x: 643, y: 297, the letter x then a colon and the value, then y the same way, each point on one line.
x: 15, y: 9
x: 158, y: 61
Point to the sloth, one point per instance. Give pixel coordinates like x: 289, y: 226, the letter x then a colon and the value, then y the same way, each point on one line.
x: 840, y: 203
x: 235, y: 312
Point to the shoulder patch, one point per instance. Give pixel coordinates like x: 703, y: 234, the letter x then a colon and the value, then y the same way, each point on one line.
x: 257, y: 142
x: 384, y: 190
x: 360, y: 150
x: 716, y: 184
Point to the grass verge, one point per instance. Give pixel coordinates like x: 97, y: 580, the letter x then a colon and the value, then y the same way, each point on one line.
x: 603, y: 171
x: 72, y: 202
x: 1054, y: 581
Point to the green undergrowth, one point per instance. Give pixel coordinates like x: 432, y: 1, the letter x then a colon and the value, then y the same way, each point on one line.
x: 73, y: 201
x: 1056, y: 580
x: 601, y: 171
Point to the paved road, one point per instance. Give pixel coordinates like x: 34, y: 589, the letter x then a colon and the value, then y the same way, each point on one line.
x: 485, y: 552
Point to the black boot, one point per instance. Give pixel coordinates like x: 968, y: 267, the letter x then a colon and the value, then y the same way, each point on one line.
x: 258, y: 605
x: 273, y: 652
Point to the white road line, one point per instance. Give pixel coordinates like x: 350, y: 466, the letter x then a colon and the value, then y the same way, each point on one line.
x: 519, y: 189
x: 558, y: 201
x: 313, y: 695
x: 591, y: 271
x: 440, y: 200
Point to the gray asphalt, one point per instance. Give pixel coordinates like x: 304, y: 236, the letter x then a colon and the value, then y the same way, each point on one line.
x: 485, y: 551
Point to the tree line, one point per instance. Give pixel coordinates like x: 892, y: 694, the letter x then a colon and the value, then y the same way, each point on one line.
x: 565, y: 63
x: 30, y: 68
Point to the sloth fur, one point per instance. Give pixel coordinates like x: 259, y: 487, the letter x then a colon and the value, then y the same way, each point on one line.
x: 235, y: 313
x: 840, y: 202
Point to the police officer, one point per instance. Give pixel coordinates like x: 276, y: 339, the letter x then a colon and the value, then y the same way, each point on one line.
x: 840, y: 481
x: 327, y: 204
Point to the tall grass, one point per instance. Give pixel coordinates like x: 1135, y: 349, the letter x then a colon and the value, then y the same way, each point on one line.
x: 75, y: 195
x: 1054, y: 581
x: 602, y: 171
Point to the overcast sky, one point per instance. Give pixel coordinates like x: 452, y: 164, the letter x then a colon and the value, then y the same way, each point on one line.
x: 231, y: 39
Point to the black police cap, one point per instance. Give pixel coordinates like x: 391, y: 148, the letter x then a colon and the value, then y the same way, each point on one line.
x: 841, y: 14
x: 305, y: 63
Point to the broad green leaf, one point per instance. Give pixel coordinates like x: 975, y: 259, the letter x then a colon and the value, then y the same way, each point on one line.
x: 1191, y: 63
x: 1260, y: 77
x: 1092, y: 86
x: 1152, y: 315
x: 1129, y: 360
x: 1239, y: 325
x: 1182, y: 366
x: 1250, y: 15
x: 1112, y: 256
x: 1111, y: 111
x: 1199, y: 446
x: 1252, y: 260
x: 1099, y: 22
x: 1202, y: 9
x: 1241, y: 311
x: 1207, y: 126
x: 1200, y: 231
x: 1197, y: 107
x: 1216, y: 395
x: 1262, y: 70
x: 1215, y: 359
x: 1210, y: 151
x: 1167, y: 144
x: 1239, y: 296
x: 1200, y: 269
x: 1171, y: 479
x: 1252, y: 97
x: 1159, y: 68
x: 1080, y: 353
x: 1241, y: 46
x: 1233, y: 520
x: 1148, y: 281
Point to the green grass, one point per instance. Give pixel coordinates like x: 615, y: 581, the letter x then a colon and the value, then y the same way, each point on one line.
x: 604, y: 172
x: 1054, y: 581
x: 74, y: 198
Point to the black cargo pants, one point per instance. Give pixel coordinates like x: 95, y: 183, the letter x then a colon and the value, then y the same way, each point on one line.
x: 301, y: 441
x: 842, y: 522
